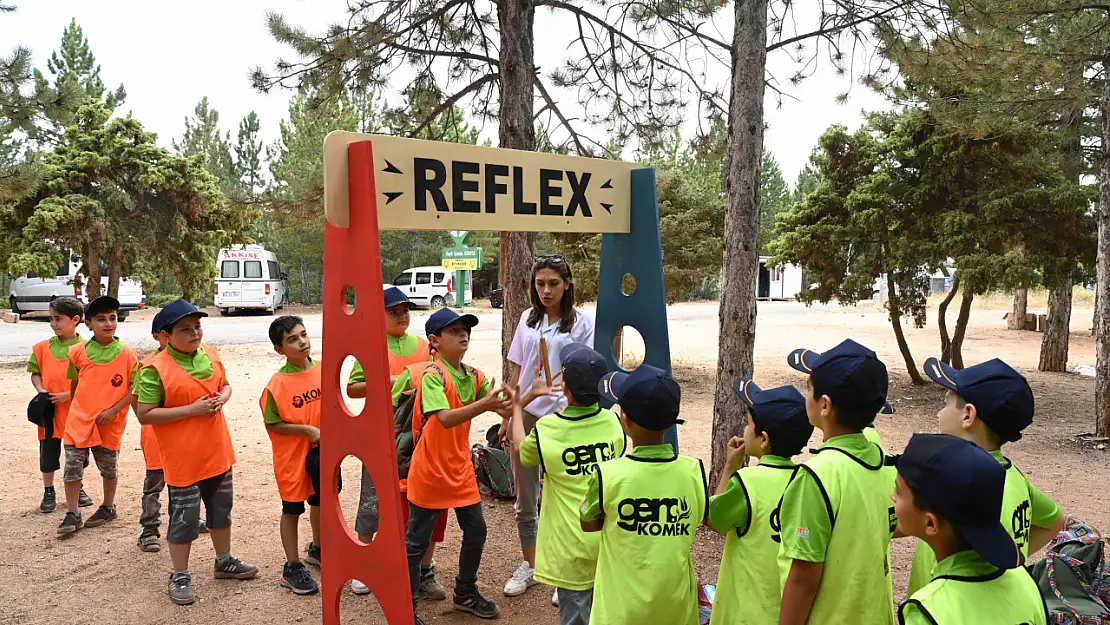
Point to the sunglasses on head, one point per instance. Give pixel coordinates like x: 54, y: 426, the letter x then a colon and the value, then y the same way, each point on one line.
x: 554, y: 259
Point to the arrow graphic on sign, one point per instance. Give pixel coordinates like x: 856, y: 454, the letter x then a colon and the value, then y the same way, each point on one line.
x: 390, y: 168
x: 390, y: 196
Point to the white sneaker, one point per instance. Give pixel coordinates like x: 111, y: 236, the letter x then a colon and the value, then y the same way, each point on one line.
x: 555, y: 598
x: 521, y: 580
x: 359, y: 588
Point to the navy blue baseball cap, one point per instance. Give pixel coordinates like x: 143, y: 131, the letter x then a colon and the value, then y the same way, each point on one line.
x: 962, y: 483
x: 1001, y: 396
x: 444, y: 317
x: 781, y: 412
x: 99, y: 305
x: 649, y: 396
x: 583, y: 369
x: 175, y: 311
x: 156, y: 324
x: 849, y: 373
x: 396, y: 297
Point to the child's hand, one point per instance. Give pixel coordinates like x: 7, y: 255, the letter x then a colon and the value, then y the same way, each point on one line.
x: 59, y: 398
x: 312, y: 433
x: 105, y: 417
x: 540, y: 387
x: 208, y: 405
x: 498, y: 399
x: 735, y: 453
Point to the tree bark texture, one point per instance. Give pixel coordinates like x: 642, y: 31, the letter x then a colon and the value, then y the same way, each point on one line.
x: 961, y: 330
x: 1054, y: 345
x: 744, y: 161
x: 942, y: 321
x: 516, y: 131
x: 115, y: 268
x: 895, y: 310
x: 1021, y: 307
x: 1102, y: 306
x: 91, y: 256
x: 414, y: 247
x: 304, y: 280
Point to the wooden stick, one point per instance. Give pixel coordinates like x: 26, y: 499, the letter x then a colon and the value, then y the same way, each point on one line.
x: 543, y: 359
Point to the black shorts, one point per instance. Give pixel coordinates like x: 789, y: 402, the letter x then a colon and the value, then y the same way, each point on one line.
x: 217, y: 495
x: 312, y: 467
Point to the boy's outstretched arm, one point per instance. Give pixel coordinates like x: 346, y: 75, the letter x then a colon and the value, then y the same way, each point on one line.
x: 1039, y: 535
x: 800, y: 591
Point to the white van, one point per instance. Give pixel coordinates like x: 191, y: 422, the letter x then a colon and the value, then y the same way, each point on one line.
x: 31, y: 293
x: 431, y: 286
x: 249, y: 277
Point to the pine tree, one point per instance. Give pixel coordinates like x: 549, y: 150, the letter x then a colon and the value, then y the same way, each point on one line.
x: 248, y: 155
x: 203, y: 137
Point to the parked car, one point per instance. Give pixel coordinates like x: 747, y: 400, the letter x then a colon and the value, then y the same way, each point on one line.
x: 497, y: 297
x: 250, y: 278
x: 32, y: 293
x: 431, y: 286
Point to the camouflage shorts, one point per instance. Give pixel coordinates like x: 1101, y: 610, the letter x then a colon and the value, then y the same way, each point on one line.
x: 78, y: 458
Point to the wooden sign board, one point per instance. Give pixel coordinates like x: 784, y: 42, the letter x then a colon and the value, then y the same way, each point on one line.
x: 434, y: 185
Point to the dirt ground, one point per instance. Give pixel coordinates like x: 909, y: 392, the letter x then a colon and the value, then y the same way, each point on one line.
x: 100, y: 575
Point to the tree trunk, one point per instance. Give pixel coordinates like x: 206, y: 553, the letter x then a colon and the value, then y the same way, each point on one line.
x: 1102, y: 307
x: 1021, y: 307
x: 115, y: 267
x: 942, y: 321
x: 894, y: 309
x: 516, y: 131
x: 414, y: 246
x: 1054, y: 345
x: 961, y: 330
x: 743, y: 165
x: 304, y: 281
x: 91, y: 256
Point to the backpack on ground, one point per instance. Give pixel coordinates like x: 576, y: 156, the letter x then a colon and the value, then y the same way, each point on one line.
x: 494, y: 471
x: 403, y: 435
x: 1074, y: 576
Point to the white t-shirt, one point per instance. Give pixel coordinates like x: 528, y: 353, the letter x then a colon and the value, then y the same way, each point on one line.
x: 525, y: 351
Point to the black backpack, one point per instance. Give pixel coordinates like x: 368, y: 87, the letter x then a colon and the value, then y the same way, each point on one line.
x: 406, y: 439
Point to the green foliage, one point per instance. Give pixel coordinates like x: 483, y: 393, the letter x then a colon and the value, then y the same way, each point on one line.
x: 204, y: 138
x: 248, y: 155
x: 74, y: 64
x: 774, y: 198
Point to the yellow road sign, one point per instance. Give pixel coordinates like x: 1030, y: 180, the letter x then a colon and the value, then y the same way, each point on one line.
x: 459, y: 264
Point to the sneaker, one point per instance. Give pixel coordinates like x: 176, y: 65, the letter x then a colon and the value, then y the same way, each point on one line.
x: 555, y: 598
x: 71, y: 523
x: 149, y: 543
x: 102, y: 515
x: 234, y: 568
x: 49, y: 501
x: 312, y: 554
x: 521, y: 580
x: 181, y: 588
x: 417, y: 620
x: 477, y: 605
x: 295, y: 577
x: 83, y: 499
x: 429, y: 588
x: 203, y: 527
x: 359, y: 588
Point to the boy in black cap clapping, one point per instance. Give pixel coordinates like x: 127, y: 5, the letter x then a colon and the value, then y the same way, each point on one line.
x: 836, y: 518
x: 742, y: 505
x: 990, y: 404
x: 569, y: 445
x: 949, y: 494
x: 647, y: 506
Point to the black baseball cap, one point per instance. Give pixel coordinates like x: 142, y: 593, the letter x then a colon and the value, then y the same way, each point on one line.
x: 99, y: 305
x: 964, y: 484
x: 444, y: 317
x: 649, y: 396
x: 175, y: 311
x: 583, y: 369
x: 395, y: 297
x: 1001, y: 396
x: 850, y: 374
x: 780, y: 411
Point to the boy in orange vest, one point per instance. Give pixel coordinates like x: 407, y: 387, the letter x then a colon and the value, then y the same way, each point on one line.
x: 48, y: 365
x: 290, y: 407
x: 403, y: 349
x: 182, y: 393
x: 155, y: 481
x: 449, y: 395
x: 100, y: 375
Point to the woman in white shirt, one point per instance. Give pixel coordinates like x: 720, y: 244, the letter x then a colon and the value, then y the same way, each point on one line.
x: 554, y: 317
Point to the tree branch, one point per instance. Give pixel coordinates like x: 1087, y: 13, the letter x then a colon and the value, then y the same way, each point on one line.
x: 449, y: 102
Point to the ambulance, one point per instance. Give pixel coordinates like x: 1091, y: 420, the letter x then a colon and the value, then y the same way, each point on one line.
x: 249, y: 277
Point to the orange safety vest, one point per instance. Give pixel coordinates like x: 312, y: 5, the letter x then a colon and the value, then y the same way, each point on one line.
x: 298, y: 398
x: 148, y: 440
x: 441, y: 474
x: 99, y: 388
x: 199, y: 447
x: 53, y: 372
x: 397, y: 366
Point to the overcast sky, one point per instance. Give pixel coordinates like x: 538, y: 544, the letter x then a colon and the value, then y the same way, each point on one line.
x: 169, y: 55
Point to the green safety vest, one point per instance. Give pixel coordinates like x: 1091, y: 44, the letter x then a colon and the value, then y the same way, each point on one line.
x: 1009, y: 597
x: 1016, y: 518
x: 652, y: 508
x: 570, y: 450
x: 746, y: 593
x: 856, y: 584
